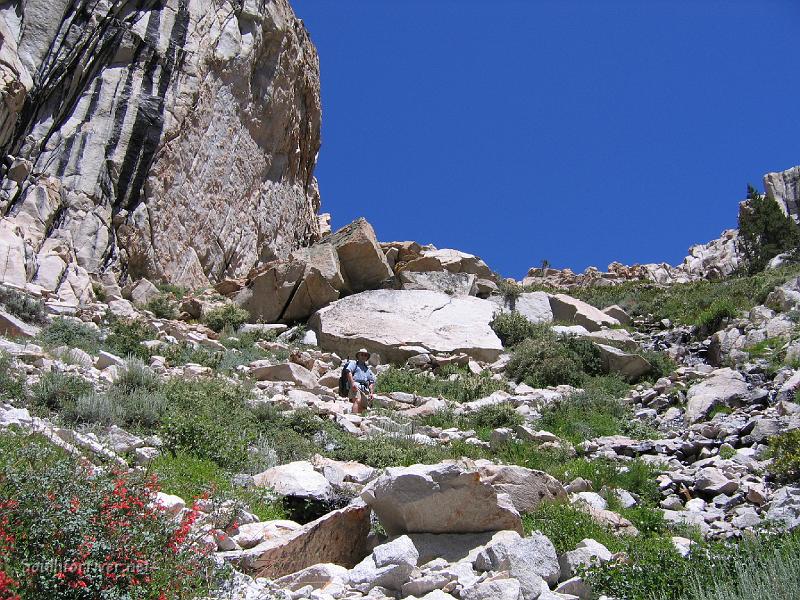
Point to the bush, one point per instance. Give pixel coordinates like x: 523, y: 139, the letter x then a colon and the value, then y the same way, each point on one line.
x: 56, y: 390
x: 662, y: 365
x: 712, y: 318
x: 126, y: 336
x: 12, y: 383
x: 785, y: 451
x: 548, y: 359
x: 494, y: 416
x: 71, y: 333
x: 71, y: 532
x: 162, y: 307
x: 512, y: 327
x: 464, y: 387
x: 764, y: 231
x: 228, y: 316
x: 209, y: 419
x: 23, y: 306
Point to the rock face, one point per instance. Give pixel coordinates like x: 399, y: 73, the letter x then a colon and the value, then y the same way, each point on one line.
x: 441, y: 498
x: 723, y: 387
x: 399, y: 324
x: 175, y: 140
x: 785, y: 188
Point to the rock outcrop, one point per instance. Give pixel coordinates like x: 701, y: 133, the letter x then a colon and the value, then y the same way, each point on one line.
x: 399, y: 324
x: 173, y: 140
x: 785, y: 188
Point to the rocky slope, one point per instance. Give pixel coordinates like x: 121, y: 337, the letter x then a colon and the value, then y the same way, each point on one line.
x: 170, y: 140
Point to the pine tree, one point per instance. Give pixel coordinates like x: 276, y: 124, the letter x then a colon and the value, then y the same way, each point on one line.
x: 764, y: 231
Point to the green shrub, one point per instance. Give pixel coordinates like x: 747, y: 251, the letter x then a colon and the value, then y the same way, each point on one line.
x: 512, y: 327
x: 12, y: 383
x: 56, y: 390
x: 764, y: 230
x: 228, y: 316
x: 548, y: 359
x: 23, y: 306
x: 494, y: 416
x: 126, y: 336
x: 71, y: 333
x: 760, y: 569
x: 662, y: 365
x: 91, y: 531
x: 712, y: 318
x: 209, y: 419
x: 785, y: 451
x: 162, y: 307
x: 464, y: 387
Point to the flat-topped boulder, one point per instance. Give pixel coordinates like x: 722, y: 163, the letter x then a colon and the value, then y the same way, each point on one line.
x: 442, y: 498
x: 398, y: 324
x: 571, y: 310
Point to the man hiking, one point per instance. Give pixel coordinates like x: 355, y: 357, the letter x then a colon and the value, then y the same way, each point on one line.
x: 362, y: 381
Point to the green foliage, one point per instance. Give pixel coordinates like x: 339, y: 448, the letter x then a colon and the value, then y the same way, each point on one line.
x: 177, y: 291
x: 726, y: 452
x: 209, y: 419
x: 162, y: 306
x: 548, y: 359
x: 764, y: 231
x: 567, y: 526
x: 191, y: 477
x: 227, y: 316
x: 71, y: 333
x: 494, y: 416
x: 510, y: 290
x: 760, y: 568
x: 712, y: 317
x: 785, y: 451
x: 125, y: 338
x: 89, y: 531
x: 23, y: 306
x: 512, y: 327
x: 662, y: 365
x: 464, y: 387
x: 584, y: 416
x: 12, y: 383
x: 56, y: 390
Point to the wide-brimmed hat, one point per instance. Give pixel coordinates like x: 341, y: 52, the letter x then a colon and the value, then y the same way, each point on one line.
x: 363, y: 351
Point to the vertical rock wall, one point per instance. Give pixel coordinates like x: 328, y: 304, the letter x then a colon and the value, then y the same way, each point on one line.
x: 173, y: 139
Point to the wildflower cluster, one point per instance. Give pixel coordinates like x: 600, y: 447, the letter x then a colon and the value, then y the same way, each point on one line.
x: 69, y: 531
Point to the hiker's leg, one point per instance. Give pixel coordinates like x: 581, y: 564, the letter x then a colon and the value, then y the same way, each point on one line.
x: 355, y: 396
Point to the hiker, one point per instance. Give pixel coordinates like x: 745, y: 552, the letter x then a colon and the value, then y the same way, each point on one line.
x: 362, y: 381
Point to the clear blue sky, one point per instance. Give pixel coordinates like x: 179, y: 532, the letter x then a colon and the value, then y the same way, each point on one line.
x: 580, y: 132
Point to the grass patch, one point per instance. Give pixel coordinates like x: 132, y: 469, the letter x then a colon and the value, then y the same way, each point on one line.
x: 190, y: 477
x: 56, y: 390
x: 785, y: 452
x: 464, y: 387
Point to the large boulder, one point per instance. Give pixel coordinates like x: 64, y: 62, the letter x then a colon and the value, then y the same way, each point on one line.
x: 442, y: 498
x: 176, y: 138
x: 452, y: 284
x: 631, y: 366
x: 534, y: 306
x: 446, y: 259
x: 340, y: 537
x: 785, y: 188
x: 399, y: 324
x: 363, y: 262
x: 722, y: 388
x: 298, y: 479
x: 525, y: 487
x: 572, y: 310
x: 263, y: 370
x: 529, y: 560
x: 11, y: 326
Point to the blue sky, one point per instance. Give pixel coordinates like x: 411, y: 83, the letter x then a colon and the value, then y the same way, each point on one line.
x: 580, y: 132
